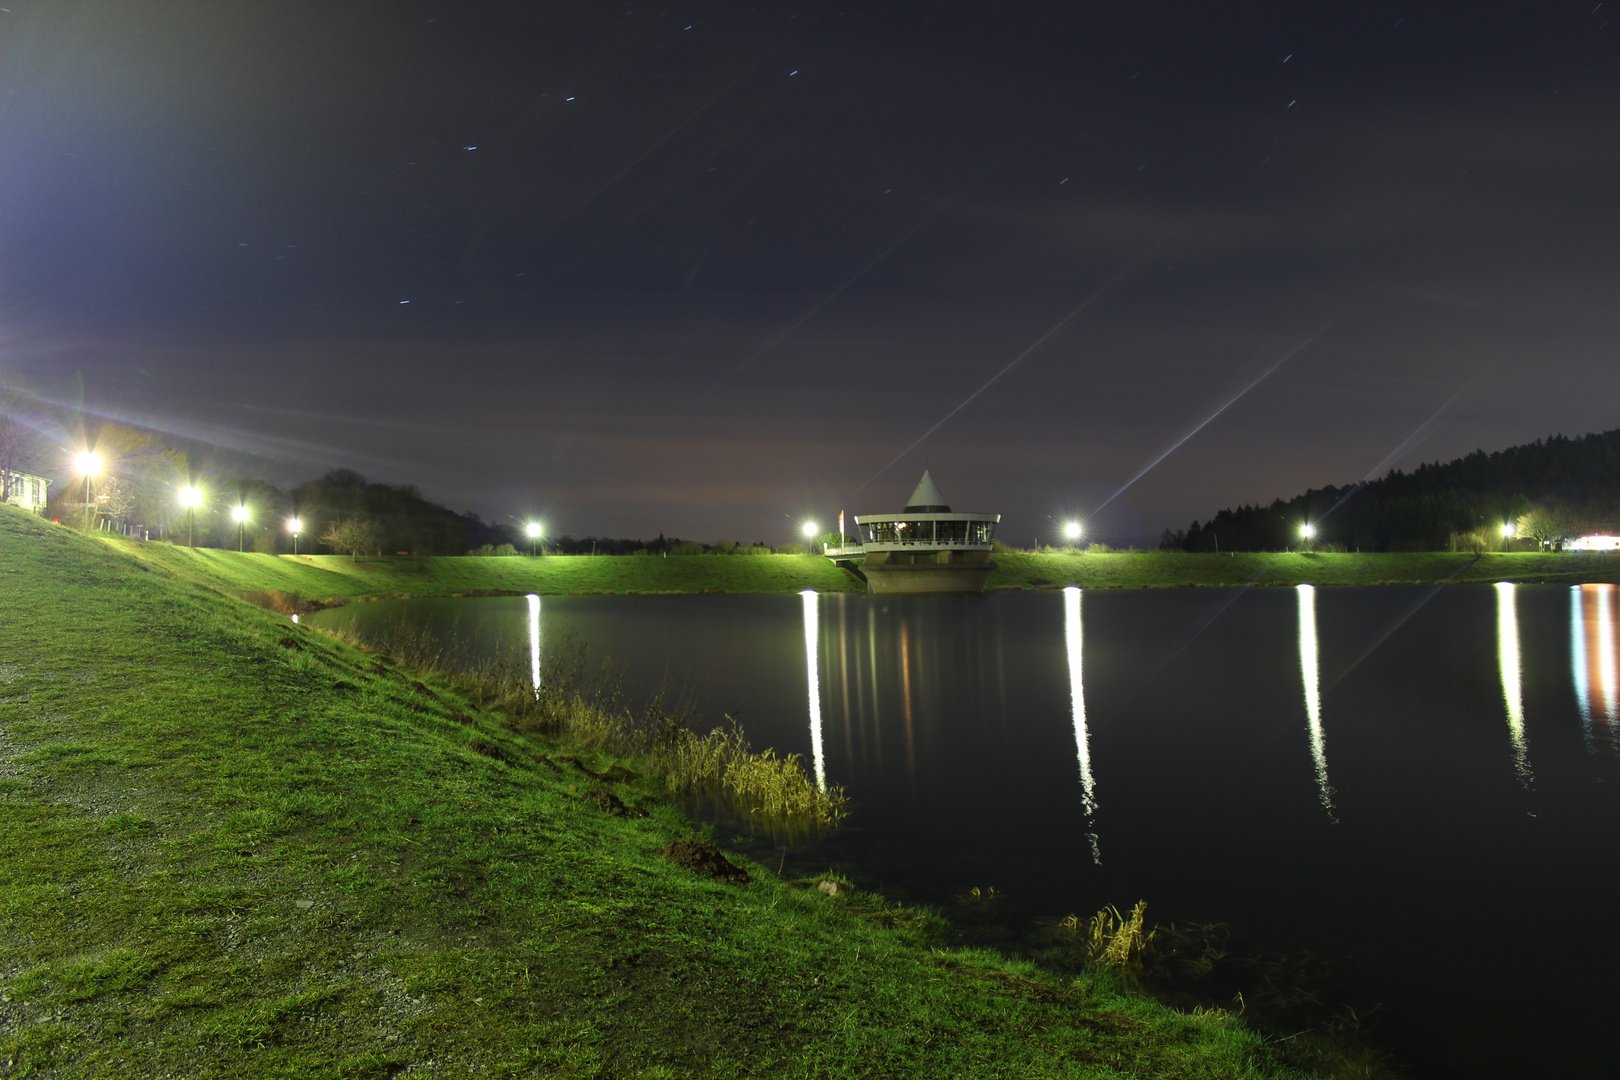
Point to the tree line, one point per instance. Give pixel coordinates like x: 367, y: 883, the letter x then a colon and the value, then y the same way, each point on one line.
x: 1551, y: 490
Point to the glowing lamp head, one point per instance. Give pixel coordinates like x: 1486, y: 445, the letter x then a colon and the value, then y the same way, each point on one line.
x: 1308, y: 531
x: 532, y: 530
x: 809, y: 528
x: 239, y: 513
x: 294, y: 525
x: 87, y: 463
x: 1072, y: 530
x: 1508, y: 528
x: 190, y: 498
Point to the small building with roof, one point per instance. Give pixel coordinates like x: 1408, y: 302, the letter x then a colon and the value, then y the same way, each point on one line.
x: 26, y: 490
x: 927, y: 547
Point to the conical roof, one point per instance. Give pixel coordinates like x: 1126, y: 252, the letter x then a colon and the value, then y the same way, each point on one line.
x: 926, y: 499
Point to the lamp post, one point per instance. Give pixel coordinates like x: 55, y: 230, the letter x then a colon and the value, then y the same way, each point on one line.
x: 810, y: 529
x: 89, y: 463
x: 532, y: 531
x: 1071, y: 532
x: 190, y: 498
x: 1308, y: 531
x: 239, y: 514
x: 295, y: 527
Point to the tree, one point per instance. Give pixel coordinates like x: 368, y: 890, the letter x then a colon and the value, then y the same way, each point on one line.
x: 1548, y: 525
x: 351, y: 536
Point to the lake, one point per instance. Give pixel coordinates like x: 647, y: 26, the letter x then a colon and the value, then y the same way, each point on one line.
x: 1423, y: 779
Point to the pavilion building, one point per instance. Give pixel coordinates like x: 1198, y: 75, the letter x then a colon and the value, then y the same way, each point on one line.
x: 926, y: 548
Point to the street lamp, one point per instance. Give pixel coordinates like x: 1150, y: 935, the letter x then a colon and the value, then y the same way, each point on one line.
x: 809, y: 529
x: 87, y: 462
x: 1071, y: 531
x: 190, y: 498
x: 1508, y: 529
x: 295, y: 527
x: 532, y: 531
x: 239, y: 514
x: 1308, y: 532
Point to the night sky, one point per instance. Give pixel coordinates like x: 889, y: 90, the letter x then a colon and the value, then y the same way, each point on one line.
x: 712, y: 269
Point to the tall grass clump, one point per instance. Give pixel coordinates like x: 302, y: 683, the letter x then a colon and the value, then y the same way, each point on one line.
x: 580, y: 702
x: 1113, y: 942
x: 757, y: 781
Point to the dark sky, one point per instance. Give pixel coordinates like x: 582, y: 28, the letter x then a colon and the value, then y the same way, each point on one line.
x: 709, y: 268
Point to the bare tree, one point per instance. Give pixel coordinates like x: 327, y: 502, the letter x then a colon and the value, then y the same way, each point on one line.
x: 352, y: 536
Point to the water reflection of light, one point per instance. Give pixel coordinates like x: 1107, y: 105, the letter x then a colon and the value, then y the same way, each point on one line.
x: 1308, y: 653
x: 905, y: 694
x: 1592, y: 656
x: 812, y: 636
x: 1507, y: 655
x: 1074, y: 640
x: 534, y: 639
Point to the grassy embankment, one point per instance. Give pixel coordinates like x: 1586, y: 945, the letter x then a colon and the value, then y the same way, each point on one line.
x: 1170, y: 569
x: 233, y: 847
x: 338, y: 578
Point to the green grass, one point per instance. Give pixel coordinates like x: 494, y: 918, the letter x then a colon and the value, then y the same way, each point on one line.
x: 232, y: 847
x: 1172, y: 569
x: 336, y: 578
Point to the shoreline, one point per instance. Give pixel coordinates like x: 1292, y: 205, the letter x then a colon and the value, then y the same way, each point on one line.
x: 323, y: 580
x: 231, y: 844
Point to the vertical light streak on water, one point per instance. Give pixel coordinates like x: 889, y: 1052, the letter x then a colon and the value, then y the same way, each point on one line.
x: 1608, y: 677
x: 1578, y: 660
x: 905, y: 691
x: 812, y: 672
x: 843, y: 676
x: 534, y: 639
x: 1507, y: 656
x: 1074, y: 639
x: 1309, y: 652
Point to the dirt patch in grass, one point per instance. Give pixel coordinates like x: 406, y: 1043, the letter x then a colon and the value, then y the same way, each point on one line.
x: 705, y: 859
x: 610, y: 803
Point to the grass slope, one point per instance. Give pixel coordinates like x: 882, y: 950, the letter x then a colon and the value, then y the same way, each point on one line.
x: 232, y: 847
x: 337, y: 577
x: 1169, y: 569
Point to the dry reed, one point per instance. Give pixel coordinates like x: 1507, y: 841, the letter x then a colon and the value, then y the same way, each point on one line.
x: 581, y: 703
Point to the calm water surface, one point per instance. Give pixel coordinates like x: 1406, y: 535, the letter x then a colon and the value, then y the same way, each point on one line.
x: 1423, y: 779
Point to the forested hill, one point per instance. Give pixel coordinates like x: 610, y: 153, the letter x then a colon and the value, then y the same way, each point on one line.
x: 1551, y: 489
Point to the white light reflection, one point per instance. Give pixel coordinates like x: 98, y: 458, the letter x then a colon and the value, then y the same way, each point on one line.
x: 1072, y: 635
x: 812, y: 636
x: 1593, y: 660
x: 1507, y: 655
x: 534, y: 639
x: 1578, y: 660
x: 1605, y: 651
x: 1308, y: 653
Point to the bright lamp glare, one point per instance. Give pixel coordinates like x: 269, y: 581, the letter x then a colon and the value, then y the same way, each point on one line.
x: 1072, y: 530
x: 1508, y: 529
x: 532, y: 530
x: 87, y: 463
x: 190, y: 497
x: 810, y: 528
x: 239, y: 513
x: 294, y: 525
x: 1307, y: 531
